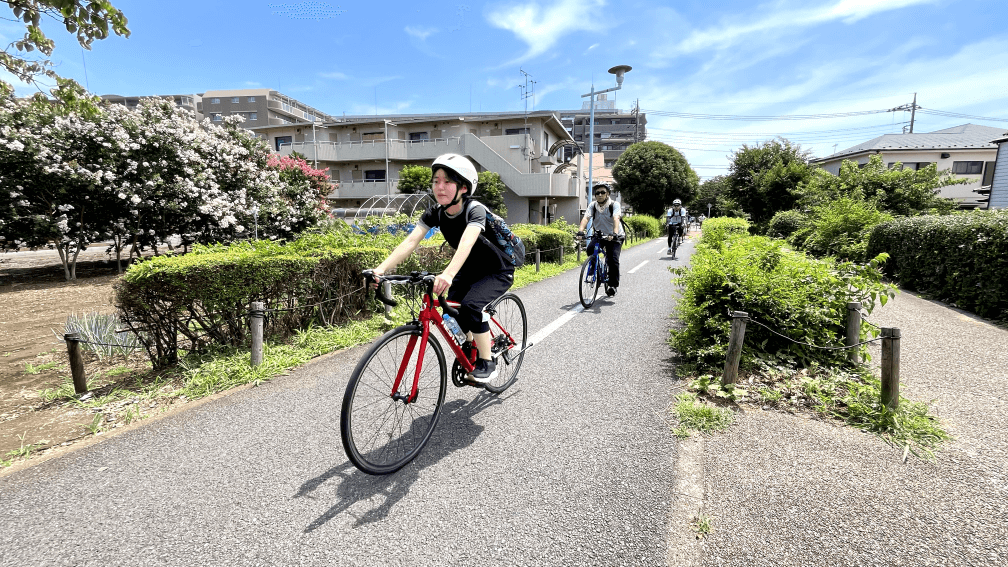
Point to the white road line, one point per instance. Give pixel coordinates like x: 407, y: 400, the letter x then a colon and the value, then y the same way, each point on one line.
x: 556, y: 324
x: 638, y: 266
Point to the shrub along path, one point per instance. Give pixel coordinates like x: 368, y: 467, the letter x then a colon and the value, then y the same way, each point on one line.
x: 779, y: 489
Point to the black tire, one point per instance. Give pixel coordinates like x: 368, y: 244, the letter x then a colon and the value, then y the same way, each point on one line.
x: 509, y: 312
x: 588, y: 286
x: 380, y: 434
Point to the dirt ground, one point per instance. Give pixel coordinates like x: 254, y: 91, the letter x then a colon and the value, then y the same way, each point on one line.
x: 35, y: 301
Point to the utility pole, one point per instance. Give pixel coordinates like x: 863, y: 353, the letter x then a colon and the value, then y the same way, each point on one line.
x: 912, y: 107
x: 527, y: 92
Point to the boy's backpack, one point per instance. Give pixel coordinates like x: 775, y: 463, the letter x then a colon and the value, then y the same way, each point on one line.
x: 503, y: 239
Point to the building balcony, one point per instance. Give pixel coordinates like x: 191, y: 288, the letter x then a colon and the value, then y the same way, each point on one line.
x: 364, y: 189
x: 373, y: 149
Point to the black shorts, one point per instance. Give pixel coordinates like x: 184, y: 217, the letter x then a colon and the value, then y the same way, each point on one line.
x: 475, y: 295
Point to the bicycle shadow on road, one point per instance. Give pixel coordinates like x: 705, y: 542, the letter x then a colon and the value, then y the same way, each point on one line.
x: 455, y: 430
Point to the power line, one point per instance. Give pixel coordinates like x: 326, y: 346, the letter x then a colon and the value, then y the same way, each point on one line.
x: 782, y: 134
x: 755, y: 118
x: 957, y: 115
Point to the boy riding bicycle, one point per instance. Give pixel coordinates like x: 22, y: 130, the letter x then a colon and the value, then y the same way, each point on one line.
x: 478, y: 272
x: 675, y: 220
x: 605, y: 216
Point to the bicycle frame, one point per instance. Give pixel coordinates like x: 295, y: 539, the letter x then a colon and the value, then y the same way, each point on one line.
x: 428, y: 315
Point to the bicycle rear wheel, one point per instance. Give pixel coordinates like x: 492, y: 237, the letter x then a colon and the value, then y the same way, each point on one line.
x: 588, y: 286
x: 381, y: 434
x: 507, y: 320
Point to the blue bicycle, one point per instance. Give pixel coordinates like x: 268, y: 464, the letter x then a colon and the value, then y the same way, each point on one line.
x: 594, y: 273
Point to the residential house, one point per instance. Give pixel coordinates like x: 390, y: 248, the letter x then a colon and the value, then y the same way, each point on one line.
x: 998, y: 197
x: 966, y: 150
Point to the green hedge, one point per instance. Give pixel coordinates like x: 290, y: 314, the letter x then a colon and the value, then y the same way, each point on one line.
x: 785, y: 223
x: 202, y: 298
x: 644, y: 226
x: 961, y: 259
x: 549, y: 239
x: 800, y: 297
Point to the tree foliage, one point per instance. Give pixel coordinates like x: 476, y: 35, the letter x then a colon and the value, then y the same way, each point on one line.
x: 87, y: 19
x: 490, y: 192
x: 651, y: 174
x: 415, y: 179
x: 767, y: 178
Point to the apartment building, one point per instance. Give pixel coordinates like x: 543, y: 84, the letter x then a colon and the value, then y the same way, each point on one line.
x: 364, y: 155
x: 615, y: 130
x: 259, y: 107
x: 967, y: 150
x: 188, y: 102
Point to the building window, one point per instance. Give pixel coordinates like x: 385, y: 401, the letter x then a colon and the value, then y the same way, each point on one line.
x: 251, y: 99
x: 374, y: 175
x: 515, y: 131
x: 215, y: 101
x: 280, y: 140
x: 234, y: 100
x: 216, y: 117
x: 418, y: 136
x: 253, y: 116
x: 967, y: 167
x: 988, y: 176
x: 372, y: 136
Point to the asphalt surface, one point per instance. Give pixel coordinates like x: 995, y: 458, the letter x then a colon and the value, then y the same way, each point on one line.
x: 571, y: 466
x: 574, y: 465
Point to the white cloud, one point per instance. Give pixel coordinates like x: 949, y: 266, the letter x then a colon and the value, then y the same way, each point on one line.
x: 336, y: 75
x: 542, y: 26
x: 420, y: 33
x: 787, y: 20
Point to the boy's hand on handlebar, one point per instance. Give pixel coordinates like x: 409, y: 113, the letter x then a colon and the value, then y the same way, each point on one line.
x: 441, y: 283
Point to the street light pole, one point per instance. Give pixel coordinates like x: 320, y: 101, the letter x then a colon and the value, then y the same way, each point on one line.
x: 619, y: 71
x: 388, y: 185
x: 314, y: 141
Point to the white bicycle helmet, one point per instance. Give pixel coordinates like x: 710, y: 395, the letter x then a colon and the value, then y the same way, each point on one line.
x: 677, y: 202
x: 461, y: 167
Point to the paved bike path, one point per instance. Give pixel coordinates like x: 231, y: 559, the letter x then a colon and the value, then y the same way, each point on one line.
x: 571, y: 466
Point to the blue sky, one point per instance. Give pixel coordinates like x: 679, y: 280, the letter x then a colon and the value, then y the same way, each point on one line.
x: 729, y: 58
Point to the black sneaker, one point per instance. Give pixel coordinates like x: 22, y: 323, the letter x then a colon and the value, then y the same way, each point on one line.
x: 485, y: 371
x: 610, y: 291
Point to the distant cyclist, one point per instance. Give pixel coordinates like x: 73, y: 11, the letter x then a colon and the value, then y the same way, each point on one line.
x: 605, y: 216
x: 700, y: 220
x: 675, y: 220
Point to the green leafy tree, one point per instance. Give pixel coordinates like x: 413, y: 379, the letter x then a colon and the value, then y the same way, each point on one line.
x: 714, y: 192
x: 651, y: 174
x: 88, y: 19
x: 838, y: 228
x: 415, y: 179
x: 767, y: 178
x: 490, y: 192
x: 901, y: 192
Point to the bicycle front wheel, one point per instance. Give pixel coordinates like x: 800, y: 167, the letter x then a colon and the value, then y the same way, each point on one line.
x: 509, y: 332
x: 588, y: 286
x: 382, y: 429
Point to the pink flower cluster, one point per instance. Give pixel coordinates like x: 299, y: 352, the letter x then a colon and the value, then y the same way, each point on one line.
x: 288, y: 162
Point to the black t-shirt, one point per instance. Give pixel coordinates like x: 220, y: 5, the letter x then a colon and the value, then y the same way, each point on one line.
x: 484, y: 258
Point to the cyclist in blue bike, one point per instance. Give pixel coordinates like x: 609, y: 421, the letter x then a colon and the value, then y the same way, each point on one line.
x: 604, y: 213
x: 478, y: 272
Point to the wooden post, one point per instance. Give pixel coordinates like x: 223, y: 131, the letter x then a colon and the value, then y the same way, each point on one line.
x: 537, y: 259
x: 257, y: 314
x: 387, y: 290
x: 853, y: 329
x: 561, y: 254
x: 734, y: 347
x: 76, y: 362
x: 890, y: 367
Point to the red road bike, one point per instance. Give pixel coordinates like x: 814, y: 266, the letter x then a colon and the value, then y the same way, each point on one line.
x: 397, y: 389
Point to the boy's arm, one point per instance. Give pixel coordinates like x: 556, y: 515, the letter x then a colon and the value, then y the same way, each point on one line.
x: 401, y: 252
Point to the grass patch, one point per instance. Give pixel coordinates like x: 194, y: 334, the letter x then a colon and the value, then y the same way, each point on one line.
x: 696, y: 415
x: 23, y: 453
x: 38, y: 369
x: 701, y: 525
x: 850, y: 395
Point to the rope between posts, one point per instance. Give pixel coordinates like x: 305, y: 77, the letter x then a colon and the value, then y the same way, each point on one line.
x: 864, y: 317
x: 323, y: 302
x: 812, y: 345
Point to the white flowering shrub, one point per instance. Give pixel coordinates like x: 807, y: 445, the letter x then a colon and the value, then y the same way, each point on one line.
x: 70, y: 176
